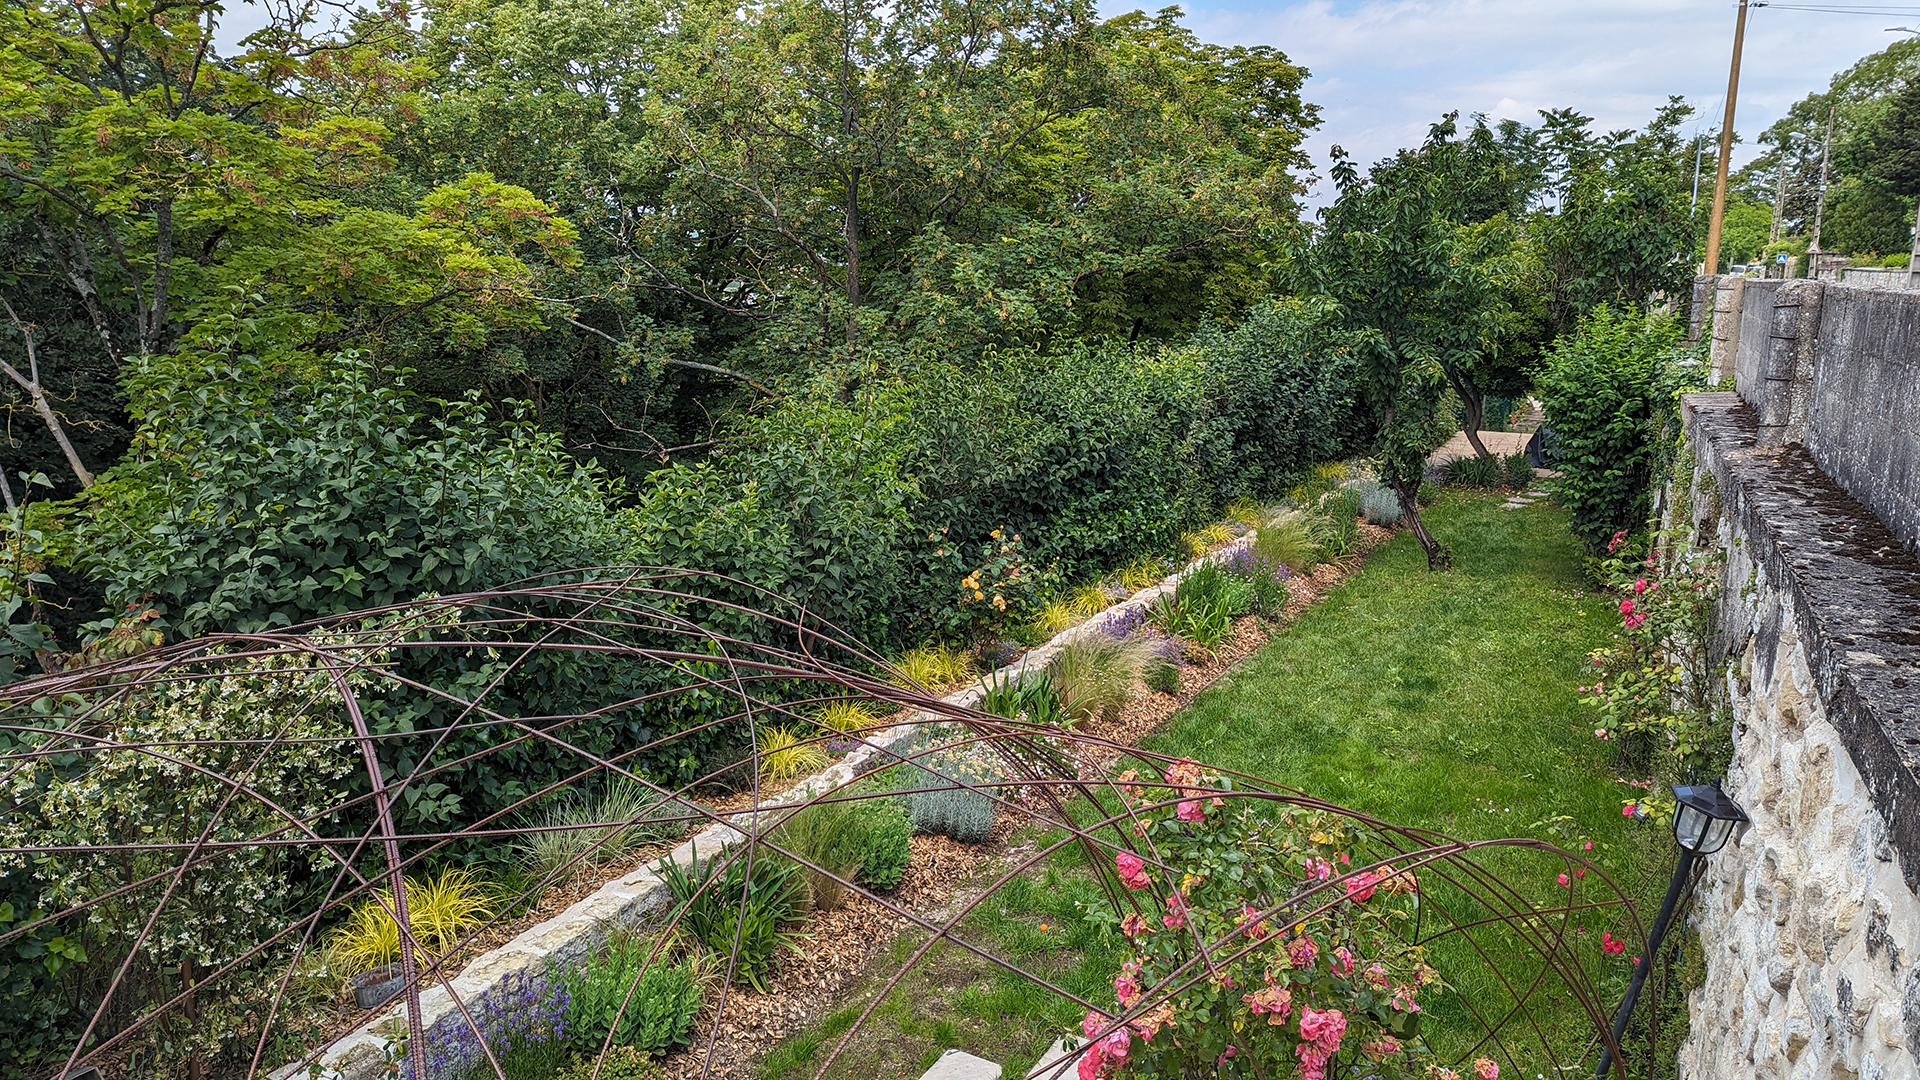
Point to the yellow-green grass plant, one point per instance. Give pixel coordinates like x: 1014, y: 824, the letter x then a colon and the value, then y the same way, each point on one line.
x: 1205, y: 539
x: 847, y: 716
x: 1142, y: 574
x: 785, y: 755
x: 1246, y: 512
x: 935, y: 667
x: 440, y: 912
x: 1292, y: 537
x: 1057, y: 615
x: 1095, y: 675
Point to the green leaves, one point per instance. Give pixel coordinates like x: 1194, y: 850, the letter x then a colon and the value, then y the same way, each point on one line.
x: 1611, y: 395
x: 330, y: 499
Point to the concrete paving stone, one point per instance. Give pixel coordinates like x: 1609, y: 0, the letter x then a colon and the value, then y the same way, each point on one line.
x: 960, y: 1065
x: 1049, y: 1067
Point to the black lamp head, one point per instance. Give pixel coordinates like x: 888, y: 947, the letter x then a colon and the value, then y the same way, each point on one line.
x: 1704, y: 817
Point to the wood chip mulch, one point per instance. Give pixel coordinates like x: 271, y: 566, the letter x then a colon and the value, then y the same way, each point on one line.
x: 838, y: 948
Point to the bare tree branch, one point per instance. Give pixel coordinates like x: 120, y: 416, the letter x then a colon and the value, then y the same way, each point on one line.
x: 40, y: 403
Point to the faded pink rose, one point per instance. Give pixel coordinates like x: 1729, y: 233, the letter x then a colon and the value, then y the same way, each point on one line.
x: 1381, y: 1048
x: 1176, y: 916
x: 1190, y: 810
x: 1361, y: 885
x: 1343, y: 960
x: 1303, y: 952
x: 1275, y: 1002
x: 1126, y: 989
x: 1133, y: 870
x: 1313, y: 1061
x: 1134, y: 926
x: 1318, y: 869
x: 1117, y: 1046
x: 1325, y: 1028
x: 1377, y: 977
x: 1485, y: 1069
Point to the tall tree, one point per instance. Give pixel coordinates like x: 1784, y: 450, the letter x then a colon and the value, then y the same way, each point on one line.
x: 1391, y: 255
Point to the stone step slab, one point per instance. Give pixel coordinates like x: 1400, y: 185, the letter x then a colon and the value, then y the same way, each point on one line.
x: 960, y: 1065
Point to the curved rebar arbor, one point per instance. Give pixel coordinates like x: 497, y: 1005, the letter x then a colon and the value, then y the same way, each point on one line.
x: 625, y: 645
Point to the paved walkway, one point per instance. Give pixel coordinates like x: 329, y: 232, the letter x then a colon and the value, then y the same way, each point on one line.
x: 1498, y: 443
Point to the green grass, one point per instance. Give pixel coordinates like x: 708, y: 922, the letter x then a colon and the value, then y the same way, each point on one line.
x: 953, y: 998
x: 1449, y: 701
x: 1445, y: 700
x: 1442, y: 700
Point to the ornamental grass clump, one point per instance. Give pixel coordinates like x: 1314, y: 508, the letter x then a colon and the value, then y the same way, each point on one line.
x: 580, y: 833
x: 1257, y: 931
x: 440, y: 912
x: 831, y: 836
x: 935, y: 667
x: 786, y: 754
x: 1292, y: 537
x: 1095, y: 674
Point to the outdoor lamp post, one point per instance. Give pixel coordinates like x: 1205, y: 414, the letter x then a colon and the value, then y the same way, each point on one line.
x: 1703, y: 821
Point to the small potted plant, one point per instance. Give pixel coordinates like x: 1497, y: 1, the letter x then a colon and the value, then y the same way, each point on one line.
x: 376, y: 986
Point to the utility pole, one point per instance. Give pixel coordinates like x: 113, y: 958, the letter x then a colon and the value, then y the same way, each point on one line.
x: 1820, y: 200
x: 1711, y: 265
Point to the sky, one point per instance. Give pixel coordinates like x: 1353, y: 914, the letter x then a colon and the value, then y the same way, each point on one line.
x: 1383, y: 70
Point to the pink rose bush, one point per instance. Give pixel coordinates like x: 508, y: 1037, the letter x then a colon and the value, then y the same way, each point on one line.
x: 1652, y: 692
x: 1308, y: 939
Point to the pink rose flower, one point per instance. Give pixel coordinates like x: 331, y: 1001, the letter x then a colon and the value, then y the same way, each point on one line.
x: 1626, y: 607
x: 1361, y: 885
x: 1564, y: 881
x: 1640, y: 587
x: 1343, y: 960
x: 1274, y: 1002
x: 1126, y: 990
x: 1324, y: 1028
x: 1627, y: 810
x: 1303, y: 952
x: 1190, y: 810
x: 1176, y: 916
x: 1133, y: 872
x: 1485, y: 1069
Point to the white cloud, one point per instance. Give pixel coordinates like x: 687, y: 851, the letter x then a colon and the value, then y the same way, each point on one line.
x: 1383, y: 70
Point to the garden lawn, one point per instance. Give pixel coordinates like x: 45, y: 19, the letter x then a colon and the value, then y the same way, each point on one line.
x: 1442, y: 700
x: 1450, y: 701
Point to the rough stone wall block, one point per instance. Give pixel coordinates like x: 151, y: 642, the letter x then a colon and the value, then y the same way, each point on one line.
x: 1809, y: 921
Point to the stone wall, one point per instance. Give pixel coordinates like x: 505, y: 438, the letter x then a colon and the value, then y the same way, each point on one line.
x: 1809, y: 920
x: 1835, y: 369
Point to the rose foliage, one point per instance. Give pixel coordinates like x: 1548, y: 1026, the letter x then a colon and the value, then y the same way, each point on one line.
x: 1261, y: 938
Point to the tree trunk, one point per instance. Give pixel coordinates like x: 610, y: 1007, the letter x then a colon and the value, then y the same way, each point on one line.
x: 41, y: 404
x: 1476, y: 407
x: 1438, y: 557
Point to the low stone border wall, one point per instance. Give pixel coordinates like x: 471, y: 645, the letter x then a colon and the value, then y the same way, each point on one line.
x: 575, y: 933
x: 1809, y: 921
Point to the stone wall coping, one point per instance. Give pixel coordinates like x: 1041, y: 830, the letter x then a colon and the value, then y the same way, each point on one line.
x: 634, y: 897
x: 1855, y: 588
